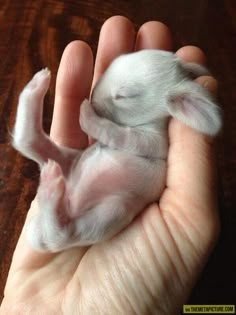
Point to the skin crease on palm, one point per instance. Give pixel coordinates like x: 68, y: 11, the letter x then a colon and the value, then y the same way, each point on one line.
x: 161, y: 254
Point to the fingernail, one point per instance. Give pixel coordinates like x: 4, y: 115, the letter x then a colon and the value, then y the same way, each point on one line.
x: 211, y: 85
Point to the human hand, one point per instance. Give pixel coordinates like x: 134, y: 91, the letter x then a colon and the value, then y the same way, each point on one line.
x: 151, y: 266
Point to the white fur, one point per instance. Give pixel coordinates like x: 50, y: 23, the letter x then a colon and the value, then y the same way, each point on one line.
x: 89, y: 196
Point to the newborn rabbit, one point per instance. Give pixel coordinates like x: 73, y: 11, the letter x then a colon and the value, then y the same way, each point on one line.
x: 87, y: 196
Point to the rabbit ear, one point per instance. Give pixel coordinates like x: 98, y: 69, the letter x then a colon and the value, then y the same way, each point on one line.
x: 191, y: 104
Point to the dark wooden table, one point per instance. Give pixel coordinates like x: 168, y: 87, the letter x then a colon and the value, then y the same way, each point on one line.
x: 33, y: 33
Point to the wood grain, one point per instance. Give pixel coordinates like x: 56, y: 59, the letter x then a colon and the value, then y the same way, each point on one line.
x: 34, y: 33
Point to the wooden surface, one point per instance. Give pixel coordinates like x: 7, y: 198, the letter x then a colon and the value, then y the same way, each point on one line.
x: 33, y: 33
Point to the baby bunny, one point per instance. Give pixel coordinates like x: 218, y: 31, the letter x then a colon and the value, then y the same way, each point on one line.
x: 87, y: 196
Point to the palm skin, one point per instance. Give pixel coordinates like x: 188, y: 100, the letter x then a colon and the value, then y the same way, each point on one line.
x: 151, y: 266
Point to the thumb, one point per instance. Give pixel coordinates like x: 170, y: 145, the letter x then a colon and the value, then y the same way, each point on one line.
x: 209, y: 83
x: 191, y: 172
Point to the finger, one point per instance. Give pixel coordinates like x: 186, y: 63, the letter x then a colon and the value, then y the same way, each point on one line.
x: 72, y: 87
x: 191, y: 175
x: 116, y: 38
x: 191, y: 54
x: 153, y: 35
x: 195, y: 54
x: 209, y: 83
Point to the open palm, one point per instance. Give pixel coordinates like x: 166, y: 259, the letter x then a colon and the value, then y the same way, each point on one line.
x: 151, y: 266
